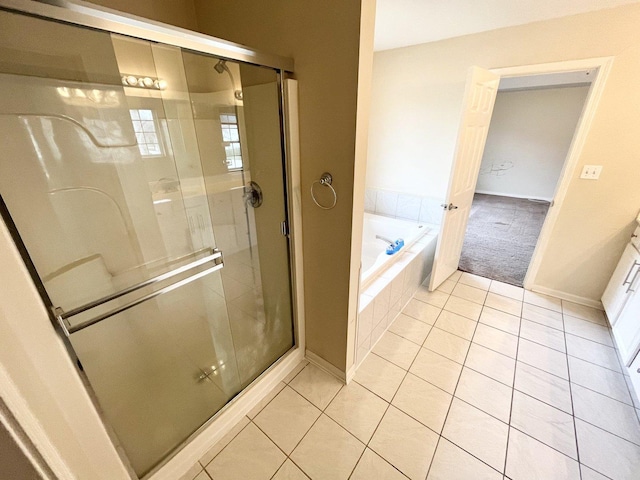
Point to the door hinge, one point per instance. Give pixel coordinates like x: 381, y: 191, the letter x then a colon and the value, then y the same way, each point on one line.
x: 284, y: 228
x: 451, y: 206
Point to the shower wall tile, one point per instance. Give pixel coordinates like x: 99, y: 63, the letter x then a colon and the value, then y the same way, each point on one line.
x: 370, y: 200
x: 386, y: 203
x: 408, y: 207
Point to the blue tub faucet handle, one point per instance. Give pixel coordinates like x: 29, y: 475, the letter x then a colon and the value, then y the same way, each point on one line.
x: 395, y: 246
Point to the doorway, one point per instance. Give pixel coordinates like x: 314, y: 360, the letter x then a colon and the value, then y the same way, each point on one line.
x: 480, y: 93
x: 531, y: 129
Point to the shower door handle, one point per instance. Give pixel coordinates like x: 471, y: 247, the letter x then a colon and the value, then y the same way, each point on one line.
x: 62, y: 316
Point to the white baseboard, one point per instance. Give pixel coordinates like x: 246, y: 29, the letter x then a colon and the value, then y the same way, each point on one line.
x: 351, y: 373
x: 513, y: 195
x: 567, y: 296
x: 326, y: 366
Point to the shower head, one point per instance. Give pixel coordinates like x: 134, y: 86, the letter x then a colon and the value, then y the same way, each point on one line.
x: 220, y: 66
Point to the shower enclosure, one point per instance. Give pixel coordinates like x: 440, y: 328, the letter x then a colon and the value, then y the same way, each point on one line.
x: 145, y: 186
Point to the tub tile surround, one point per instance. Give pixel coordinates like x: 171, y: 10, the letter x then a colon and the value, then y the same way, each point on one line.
x: 404, y: 206
x: 412, y: 412
x: 387, y: 294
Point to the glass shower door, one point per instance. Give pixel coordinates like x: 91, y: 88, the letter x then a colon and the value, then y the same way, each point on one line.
x: 110, y: 171
x: 235, y: 109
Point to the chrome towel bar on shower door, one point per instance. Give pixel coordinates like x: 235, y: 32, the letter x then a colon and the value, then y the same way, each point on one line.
x: 62, y: 316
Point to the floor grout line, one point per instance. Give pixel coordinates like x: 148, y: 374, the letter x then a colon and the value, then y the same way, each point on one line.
x: 322, y: 412
x: 544, y: 443
x: 206, y: 473
x: 234, y: 437
x: 595, y: 364
x: 568, y: 381
x: 484, y: 374
x: 444, y: 423
x: 453, y: 395
x: 506, y: 453
x: 394, y: 396
x: 573, y: 408
x: 389, y: 404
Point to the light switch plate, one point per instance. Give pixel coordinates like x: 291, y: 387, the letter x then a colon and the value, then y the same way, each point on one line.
x: 591, y: 172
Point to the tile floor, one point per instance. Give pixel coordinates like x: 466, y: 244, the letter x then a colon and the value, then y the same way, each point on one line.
x: 503, y: 384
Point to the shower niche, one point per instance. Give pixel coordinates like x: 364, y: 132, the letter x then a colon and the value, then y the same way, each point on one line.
x: 125, y: 178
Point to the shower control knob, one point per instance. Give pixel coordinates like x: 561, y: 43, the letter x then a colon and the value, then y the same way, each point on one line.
x: 253, y: 194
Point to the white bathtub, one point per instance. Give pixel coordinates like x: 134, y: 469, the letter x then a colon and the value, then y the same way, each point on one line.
x: 388, y: 282
x: 374, y: 257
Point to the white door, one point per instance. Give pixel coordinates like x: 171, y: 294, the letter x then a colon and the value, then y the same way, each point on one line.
x: 480, y: 95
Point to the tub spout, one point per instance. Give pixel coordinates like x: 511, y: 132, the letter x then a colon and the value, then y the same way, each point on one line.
x: 385, y: 239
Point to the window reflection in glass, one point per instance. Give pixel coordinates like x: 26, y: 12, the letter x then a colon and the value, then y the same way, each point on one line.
x: 145, y: 128
x: 231, y: 139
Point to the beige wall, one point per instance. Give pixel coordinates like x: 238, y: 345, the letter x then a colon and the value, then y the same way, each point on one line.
x: 37, y: 373
x: 528, y: 141
x: 324, y: 45
x: 13, y: 462
x: 181, y: 13
x: 417, y: 101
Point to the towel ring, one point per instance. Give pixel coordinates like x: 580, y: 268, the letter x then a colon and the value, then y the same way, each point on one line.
x: 326, y: 179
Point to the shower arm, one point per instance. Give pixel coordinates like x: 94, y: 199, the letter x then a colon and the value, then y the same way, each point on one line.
x: 220, y: 67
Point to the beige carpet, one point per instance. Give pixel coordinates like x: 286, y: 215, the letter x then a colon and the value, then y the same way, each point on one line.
x: 501, y: 235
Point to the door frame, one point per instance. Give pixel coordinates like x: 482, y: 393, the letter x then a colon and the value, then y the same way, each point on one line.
x: 603, y: 66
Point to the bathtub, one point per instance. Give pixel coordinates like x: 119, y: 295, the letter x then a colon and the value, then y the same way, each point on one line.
x: 388, y: 282
x: 374, y: 258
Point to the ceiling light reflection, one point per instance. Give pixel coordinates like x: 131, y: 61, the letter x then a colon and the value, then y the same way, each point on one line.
x: 144, y: 82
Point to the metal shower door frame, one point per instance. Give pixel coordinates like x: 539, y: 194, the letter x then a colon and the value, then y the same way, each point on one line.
x: 103, y: 19
x: 108, y: 20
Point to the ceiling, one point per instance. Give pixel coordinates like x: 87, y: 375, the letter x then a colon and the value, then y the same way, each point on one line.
x: 400, y: 23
